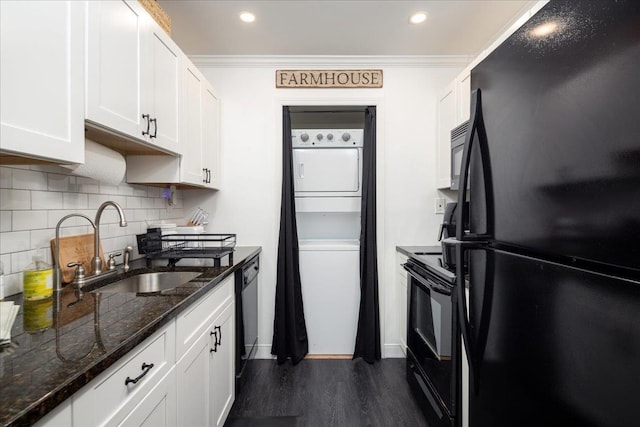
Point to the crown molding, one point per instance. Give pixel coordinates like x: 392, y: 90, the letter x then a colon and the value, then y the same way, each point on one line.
x: 327, y: 61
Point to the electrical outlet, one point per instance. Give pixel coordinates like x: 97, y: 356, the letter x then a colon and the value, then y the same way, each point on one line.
x: 439, y: 206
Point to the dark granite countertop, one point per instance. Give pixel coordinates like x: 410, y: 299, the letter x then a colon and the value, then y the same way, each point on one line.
x: 58, y: 346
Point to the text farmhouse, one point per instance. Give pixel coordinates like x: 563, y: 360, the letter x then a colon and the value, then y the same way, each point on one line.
x: 328, y: 78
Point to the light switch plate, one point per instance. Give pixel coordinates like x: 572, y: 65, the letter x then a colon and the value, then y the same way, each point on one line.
x: 439, y: 205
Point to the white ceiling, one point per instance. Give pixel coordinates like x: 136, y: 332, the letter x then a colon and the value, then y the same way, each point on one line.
x: 331, y: 27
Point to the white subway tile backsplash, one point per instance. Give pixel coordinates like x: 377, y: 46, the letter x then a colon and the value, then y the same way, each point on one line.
x: 5, y: 221
x: 6, y: 263
x: 28, y: 180
x: 57, y: 182
x: 34, y: 198
x: 29, y: 220
x: 12, y: 283
x: 5, y: 177
x: 40, y: 238
x: 108, y: 189
x: 46, y: 200
x: 75, y: 201
x: 125, y: 190
x: 21, y: 260
x: 133, y: 202
x: 14, y: 241
x: 14, y: 199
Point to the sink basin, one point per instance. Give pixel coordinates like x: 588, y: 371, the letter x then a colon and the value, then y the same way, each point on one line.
x: 149, y: 282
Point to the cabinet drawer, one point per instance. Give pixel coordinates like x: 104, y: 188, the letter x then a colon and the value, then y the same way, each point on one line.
x: 194, y: 321
x: 108, y: 395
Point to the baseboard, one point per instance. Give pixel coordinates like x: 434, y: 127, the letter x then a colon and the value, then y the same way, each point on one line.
x: 390, y: 351
x: 394, y: 351
x: 263, y: 351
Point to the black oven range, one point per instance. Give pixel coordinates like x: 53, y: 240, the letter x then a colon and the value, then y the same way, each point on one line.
x: 433, y: 340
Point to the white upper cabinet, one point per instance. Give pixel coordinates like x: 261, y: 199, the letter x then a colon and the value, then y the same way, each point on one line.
x: 133, y: 74
x: 199, y: 164
x: 191, y: 169
x: 210, y: 136
x: 447, y: 110
x: 42, y: 81
x: 463, y: 96
x: 162, y: 89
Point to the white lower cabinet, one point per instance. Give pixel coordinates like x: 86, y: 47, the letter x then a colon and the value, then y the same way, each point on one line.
x: 223, y: 373
x: 194, y: 378
x: 148, y: 387
x: 130, y: 391
x: 206, y: 371
x: 158, y: 408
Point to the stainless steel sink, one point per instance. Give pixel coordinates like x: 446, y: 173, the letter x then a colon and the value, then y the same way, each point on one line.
x: 149, y: 282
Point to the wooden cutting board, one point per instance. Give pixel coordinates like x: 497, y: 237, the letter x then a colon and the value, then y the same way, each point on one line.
x: 72, y: 249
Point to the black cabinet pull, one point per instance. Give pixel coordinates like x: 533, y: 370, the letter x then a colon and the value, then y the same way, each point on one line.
x: 218, y: 336
x: 145, y: 370
x: 215, y: 342
x: 146, y: 116
x: 205, y: 175
x: 155, y: 128
x: 208, y: 176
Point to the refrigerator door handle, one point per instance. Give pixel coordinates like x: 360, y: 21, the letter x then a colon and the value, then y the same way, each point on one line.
x: 476, y: 127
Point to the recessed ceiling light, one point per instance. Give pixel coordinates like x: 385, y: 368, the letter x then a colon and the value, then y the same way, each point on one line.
x: 418, y: 17
x: 247, y: 17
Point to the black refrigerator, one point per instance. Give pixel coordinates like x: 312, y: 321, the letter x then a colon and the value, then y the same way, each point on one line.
x: 552, y: 154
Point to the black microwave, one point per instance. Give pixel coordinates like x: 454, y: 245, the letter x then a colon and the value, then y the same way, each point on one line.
x: 458, y: 136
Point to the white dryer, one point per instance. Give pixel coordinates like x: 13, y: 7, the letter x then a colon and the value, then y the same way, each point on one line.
x: 327, y: 163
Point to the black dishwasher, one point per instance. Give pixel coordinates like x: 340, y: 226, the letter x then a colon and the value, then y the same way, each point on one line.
x: 246, y: 291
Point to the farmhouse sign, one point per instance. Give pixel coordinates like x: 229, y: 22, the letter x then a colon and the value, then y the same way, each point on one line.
x: 328, y: 79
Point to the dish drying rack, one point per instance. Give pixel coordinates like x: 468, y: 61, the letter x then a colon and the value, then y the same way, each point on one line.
x: 176, y: 246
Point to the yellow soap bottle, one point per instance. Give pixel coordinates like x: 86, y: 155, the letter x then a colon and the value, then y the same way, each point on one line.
x: 37, y: 280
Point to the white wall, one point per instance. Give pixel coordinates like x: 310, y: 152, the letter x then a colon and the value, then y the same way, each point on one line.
x: 249, y: 202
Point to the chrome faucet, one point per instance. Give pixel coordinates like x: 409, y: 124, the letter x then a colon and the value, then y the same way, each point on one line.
x: 96, y: 261
x: 57, y: 273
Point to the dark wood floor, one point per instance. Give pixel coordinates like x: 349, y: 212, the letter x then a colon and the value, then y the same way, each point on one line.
x: 327, y: 393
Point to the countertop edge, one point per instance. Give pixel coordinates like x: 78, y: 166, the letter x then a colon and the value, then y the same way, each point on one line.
x: 38, y: 409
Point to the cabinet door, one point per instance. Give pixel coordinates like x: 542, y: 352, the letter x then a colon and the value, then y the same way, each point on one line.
x: 158, y: 408
x: 446, y: 122
x: 161, y: 89
x: 42, y: 80
x: 210, y: 137
x: 191, y: 168
x: 116, y: 33
x: 194, y: 379
x: 223, y: 366
x: 463, y: 96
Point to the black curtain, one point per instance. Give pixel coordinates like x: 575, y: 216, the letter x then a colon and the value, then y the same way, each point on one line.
x: 368, y: 334
x: 289, y: 328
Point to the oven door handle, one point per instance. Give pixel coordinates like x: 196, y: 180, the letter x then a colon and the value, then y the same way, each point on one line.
x: 429, y: 285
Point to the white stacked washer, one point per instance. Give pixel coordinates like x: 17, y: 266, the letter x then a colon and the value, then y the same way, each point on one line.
x: 327, y: 167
